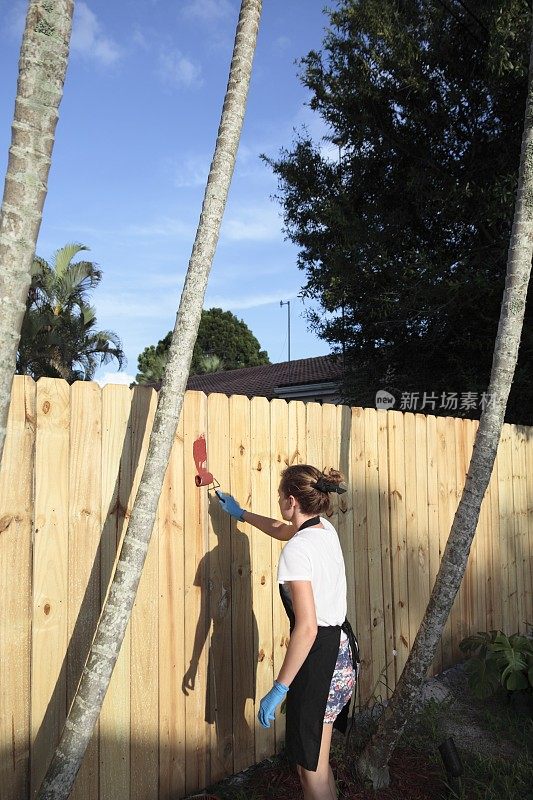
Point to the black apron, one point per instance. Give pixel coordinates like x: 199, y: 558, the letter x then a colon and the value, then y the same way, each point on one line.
x: 308, y: 693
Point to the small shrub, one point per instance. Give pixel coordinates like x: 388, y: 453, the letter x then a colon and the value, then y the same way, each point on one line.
x: 496, y: 659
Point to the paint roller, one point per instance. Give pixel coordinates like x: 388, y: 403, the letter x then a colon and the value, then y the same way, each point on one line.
x: 203, y: 476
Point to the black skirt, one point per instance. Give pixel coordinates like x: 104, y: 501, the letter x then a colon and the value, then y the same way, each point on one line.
x: 308, y: 693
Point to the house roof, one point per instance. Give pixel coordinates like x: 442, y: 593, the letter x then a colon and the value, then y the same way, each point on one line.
x: 263, y: 381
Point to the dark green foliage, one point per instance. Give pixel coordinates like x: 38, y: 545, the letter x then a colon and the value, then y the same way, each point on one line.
x: 220, y: 334
x: 496, y: 659
x: 403, y: 231
x: 58, y: 336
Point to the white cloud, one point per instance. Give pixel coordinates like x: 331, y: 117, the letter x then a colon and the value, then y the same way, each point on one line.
x: 132, y: 308
x: 166, y: 226
x: 207, y: 10
x: 16, y: 19
x: 248, y: 301
x: 139, y: 39
x: 282, y: 42
x: 89, y: 41
x: 116, y: 377
x: 178, y: 70
x: 192, y: 171
x: 258, y: 224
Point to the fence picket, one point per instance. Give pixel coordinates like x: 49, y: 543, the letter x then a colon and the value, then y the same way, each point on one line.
x: 50, y: 574
x: 219, y: 702
x: 196, y: 641
x: 279, y: 459
x: 263, y: 579
x: 244, y: 660
x: 16, y: 512
x: 85, y: 481
x: 144, y: 768
x: 116, y: 484
x: 172, y: 665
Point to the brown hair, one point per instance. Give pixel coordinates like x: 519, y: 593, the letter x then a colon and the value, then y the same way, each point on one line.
x: 300, y: 482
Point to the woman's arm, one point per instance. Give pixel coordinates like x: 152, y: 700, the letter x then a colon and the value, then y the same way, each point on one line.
x: 273, y: 527
x: 304, y: 631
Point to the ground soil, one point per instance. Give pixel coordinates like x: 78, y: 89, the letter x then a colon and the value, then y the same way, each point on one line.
x: 447, y: 708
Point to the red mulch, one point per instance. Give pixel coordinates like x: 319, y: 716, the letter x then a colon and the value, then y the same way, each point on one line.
x: 413, y: 777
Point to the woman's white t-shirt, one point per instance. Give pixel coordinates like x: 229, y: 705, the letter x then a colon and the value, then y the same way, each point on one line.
x: 314, y: 554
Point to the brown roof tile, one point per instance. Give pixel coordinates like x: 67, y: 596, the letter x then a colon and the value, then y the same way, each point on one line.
x: 261, y: 381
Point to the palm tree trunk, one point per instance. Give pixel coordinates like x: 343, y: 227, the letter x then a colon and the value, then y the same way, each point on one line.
x: 42, y: 69
x: 373, y: 761
x: 116, y: 612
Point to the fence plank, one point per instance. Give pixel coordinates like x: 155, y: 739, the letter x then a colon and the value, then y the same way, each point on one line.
x: 445, y: 469
x: 424, y: 587
x: 84, y: 555
x: 507, y: 551
x: 413, y: 565
x: 219, y: 700
x: 16, y: 511
x: 386, y: 569
x: 264, y: 582
x: 116, y: 484
x: 171, y: 627
x: 433, y: 520
x: 529, y: 508
x: 524, y: 578
x: 484, y: 575
x: 362, y: 598
x: 496, y: 582
x: 50, y: 574
x: 375, y: 577
x: 330, y: 455
x: 463, y: 603
x: 480, y: 544
x: 196, y: 533
x: 244, y: 661
x: 279, y: 459
x: 144, y: 625
x: 297, y: 432
x: 346, y: 517
x: 398, y: 538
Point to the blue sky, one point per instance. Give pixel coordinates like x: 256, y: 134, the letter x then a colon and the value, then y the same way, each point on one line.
x: 134, y: 142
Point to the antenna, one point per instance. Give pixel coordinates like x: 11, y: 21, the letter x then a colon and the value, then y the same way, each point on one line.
x: 288, y: 304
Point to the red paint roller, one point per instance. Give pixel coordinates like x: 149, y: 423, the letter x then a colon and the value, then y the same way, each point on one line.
x: 199, y: 452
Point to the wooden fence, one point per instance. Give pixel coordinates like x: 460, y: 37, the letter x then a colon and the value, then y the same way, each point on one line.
x: 207, y: 614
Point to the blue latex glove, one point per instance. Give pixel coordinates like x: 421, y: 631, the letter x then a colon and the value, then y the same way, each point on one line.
x: 230, y: 505
x: 269, y: 703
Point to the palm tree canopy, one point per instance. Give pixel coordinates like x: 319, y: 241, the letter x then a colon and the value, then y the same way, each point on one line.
x: 59, y: 336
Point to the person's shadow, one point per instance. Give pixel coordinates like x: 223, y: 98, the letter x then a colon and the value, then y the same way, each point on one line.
x: 224, y: 577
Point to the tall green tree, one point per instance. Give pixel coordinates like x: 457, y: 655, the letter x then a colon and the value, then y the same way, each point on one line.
x: 42, y: 68
x: 220, y: 334
x: 372, y: 762
x: 59, y: 338
x: 403, y: 224
x: 116, y: 612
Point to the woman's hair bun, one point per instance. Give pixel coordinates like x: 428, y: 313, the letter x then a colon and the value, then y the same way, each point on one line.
x: 330, y: 482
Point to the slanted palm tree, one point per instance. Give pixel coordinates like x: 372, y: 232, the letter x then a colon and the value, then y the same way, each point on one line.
x: 59, y: 337
x: 42, y: 69
x: 373, y: 761
x: 116, y: 612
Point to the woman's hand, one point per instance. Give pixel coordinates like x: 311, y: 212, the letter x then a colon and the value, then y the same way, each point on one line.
x: 269, y: 703
x: 189, y: 679
x: 230, y: 505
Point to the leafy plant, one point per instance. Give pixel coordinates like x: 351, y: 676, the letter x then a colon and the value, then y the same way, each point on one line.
x: 496, y: 659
